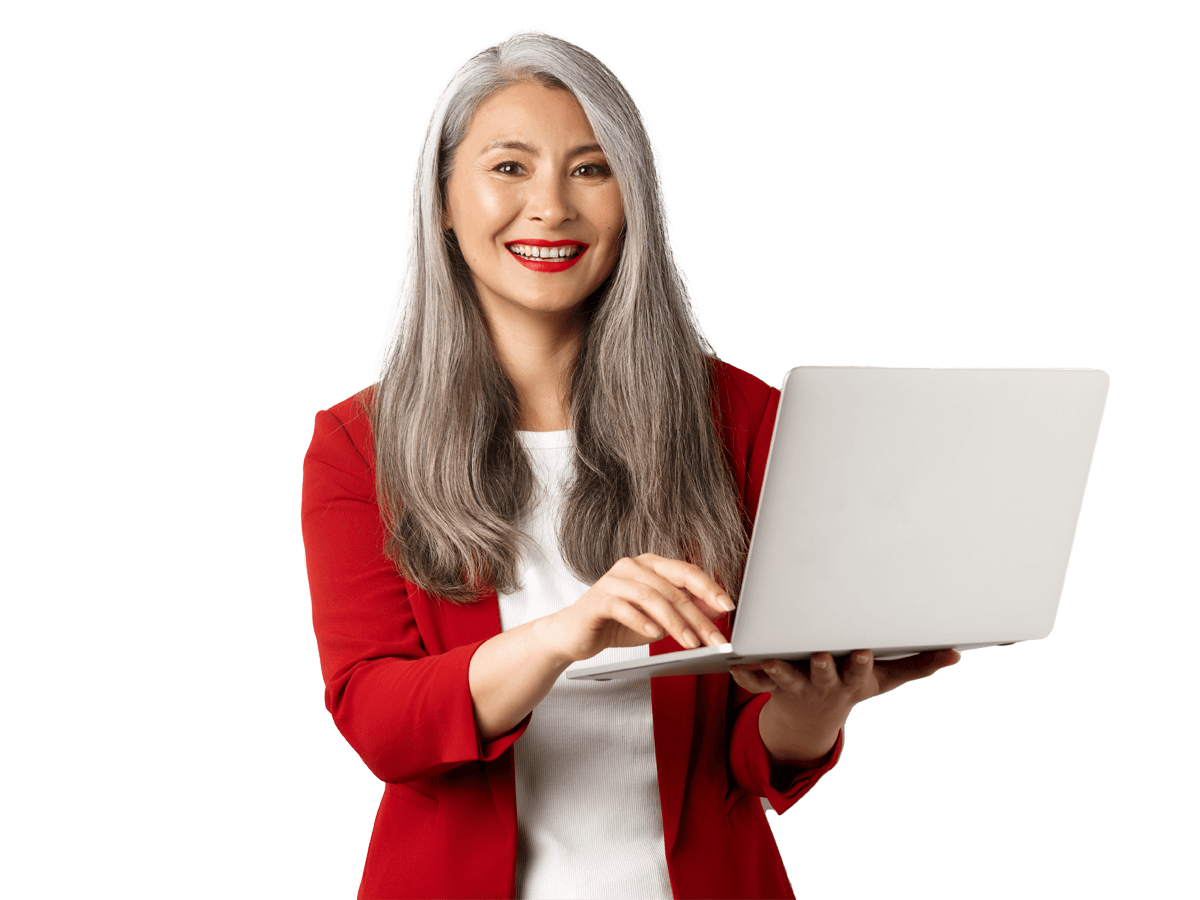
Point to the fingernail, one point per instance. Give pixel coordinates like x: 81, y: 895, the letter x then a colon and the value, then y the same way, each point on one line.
x: 653, y: 631
x: 862, y: 658
x: 818, y: 662
x: 716, y: 639
x: 725, y: 603
x: 690, y: 640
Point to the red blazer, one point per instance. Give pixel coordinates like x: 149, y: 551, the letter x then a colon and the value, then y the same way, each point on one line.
x: 395, y: 666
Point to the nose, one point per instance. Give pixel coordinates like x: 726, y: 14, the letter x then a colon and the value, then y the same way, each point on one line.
x: 550, y: 200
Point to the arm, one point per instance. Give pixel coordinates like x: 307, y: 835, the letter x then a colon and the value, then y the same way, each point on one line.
x: 510, y: 674
x: 786, y: 748
x: 407, y: 712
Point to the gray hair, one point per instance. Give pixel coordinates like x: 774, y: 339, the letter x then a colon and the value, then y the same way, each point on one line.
x: 453, y: 480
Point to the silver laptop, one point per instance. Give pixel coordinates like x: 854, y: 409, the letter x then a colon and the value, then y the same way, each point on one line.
x: 906, y: 510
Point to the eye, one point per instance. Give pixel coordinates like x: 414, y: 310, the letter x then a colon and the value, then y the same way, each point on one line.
x: 592, y: 170
x: 508, y: 168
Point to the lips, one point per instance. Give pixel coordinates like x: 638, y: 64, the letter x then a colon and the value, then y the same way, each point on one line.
x: 548, y: 258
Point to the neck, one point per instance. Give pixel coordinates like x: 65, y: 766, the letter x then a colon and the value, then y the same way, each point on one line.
x: 539, y: 365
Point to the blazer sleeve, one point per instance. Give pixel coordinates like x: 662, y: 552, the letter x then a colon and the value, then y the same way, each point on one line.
x: 407, y: 712
x: 751, y: 764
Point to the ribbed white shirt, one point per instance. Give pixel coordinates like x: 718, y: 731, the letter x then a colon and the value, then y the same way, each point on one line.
x: 588, y: 814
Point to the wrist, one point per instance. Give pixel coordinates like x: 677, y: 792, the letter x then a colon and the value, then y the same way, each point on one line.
x: 792, y: 743
x: 545, y: 632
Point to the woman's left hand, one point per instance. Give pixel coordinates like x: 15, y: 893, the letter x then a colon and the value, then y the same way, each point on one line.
x: 800, y: 723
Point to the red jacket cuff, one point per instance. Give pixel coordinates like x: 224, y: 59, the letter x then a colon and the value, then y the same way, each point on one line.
x: 751, y: 764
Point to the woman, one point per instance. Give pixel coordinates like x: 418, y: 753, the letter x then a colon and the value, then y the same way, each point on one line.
x: 553, y: 468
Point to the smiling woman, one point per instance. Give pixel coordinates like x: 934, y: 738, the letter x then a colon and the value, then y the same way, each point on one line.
x: 554, y: 468
x: 530, y: 195
x: 533, y: 143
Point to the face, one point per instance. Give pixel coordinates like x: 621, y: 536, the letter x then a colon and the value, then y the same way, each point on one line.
x: 535, y: 209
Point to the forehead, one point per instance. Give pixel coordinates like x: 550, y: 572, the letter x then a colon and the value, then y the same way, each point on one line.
x: 529, y: 113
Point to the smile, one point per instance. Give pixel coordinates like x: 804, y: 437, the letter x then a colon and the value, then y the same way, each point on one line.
x: 547, y: 256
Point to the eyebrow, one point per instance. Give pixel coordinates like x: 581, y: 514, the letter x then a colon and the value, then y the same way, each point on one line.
x: 532, y: 151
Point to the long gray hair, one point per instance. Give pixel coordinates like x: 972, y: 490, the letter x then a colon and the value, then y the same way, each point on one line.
x: 453, y: 480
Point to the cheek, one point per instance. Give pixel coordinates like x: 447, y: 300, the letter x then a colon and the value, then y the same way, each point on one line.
x: 613, y: 234
x: 616, y: 221
x: 616, y: 212
x: 479, y: 211
x: 607, y: 215
x: 494, y: 208
x: 614, y: 254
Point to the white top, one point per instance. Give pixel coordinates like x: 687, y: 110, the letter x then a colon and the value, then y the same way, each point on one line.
x: 588, y: 814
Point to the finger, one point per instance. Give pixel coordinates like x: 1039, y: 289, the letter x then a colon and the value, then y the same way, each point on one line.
x: 754, y: 682
x: 893, y: 673
x: 822, y: 672
x: 685, y: 605
x: 630, y: 582
x: 686, y: 575
x: 661, y: 610
x: 635, y: 619
x: 858, y: 668
x: 694, y: 628
x: 786, y: 676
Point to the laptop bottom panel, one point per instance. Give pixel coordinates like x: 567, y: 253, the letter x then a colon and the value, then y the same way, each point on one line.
x: 709, y: 660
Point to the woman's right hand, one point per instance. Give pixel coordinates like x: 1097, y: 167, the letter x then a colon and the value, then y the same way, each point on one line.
x: 635, y: 602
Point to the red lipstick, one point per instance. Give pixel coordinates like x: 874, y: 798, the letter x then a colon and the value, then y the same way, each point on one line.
x: 560, y: 264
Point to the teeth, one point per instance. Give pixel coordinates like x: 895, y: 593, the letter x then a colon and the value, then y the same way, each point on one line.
x: 529, y: 252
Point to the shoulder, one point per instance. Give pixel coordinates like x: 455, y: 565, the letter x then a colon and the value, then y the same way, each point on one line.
x: 344, y: 431
x: 355, y: 407
x: 743, y: 397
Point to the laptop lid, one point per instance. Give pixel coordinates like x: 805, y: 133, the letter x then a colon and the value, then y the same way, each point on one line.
x: 909, y: 509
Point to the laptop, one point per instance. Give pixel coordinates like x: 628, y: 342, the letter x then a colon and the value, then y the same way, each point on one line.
x: 905, y: 510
